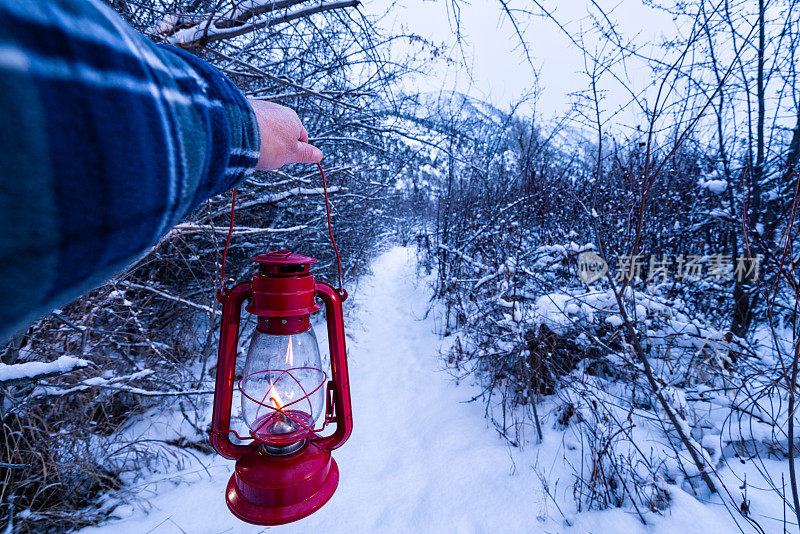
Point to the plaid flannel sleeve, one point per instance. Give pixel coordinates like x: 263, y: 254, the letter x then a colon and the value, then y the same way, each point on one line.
x: 106, y: 141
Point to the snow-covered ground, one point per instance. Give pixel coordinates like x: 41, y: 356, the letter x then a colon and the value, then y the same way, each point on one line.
x: 421, y: 458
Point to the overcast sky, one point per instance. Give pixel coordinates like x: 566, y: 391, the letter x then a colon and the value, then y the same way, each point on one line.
x: 499, y: 71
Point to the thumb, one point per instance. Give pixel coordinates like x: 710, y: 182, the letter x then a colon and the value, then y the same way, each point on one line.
x: 305, y: 153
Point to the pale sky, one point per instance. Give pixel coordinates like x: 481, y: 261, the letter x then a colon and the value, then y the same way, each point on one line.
x: 501, y: 74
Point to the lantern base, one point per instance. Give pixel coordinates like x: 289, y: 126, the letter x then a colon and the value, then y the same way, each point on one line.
x: 275, y: 490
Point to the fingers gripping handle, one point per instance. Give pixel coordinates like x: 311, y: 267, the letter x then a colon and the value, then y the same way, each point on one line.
x: 338, y: 351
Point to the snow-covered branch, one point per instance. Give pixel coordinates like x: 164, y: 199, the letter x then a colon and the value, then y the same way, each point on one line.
x: 277, y: 197
x: 116, y: 384
x: 228, y: 27
x: 32, y: 371
x: 171, y: 297
x: 189, y: 228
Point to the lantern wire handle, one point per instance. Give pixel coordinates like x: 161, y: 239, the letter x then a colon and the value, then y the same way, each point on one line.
x: 228, y: 242
x: 341, y: 290
x: 330, y: 228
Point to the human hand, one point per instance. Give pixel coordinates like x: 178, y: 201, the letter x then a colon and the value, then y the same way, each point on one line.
x: 283, y: 138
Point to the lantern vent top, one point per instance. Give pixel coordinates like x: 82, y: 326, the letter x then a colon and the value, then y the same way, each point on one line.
x: 283, y: 263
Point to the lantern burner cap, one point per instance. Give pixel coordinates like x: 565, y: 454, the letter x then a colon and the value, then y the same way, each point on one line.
x: 283, y: 263
x: 282, y: 425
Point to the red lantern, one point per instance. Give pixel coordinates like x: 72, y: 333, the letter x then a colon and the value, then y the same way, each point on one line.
x: 286, y: 472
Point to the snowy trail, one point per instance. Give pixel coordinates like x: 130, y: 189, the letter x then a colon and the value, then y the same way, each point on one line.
x: 420, y: 459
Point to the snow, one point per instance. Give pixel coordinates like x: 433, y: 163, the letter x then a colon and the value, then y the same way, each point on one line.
x: 30, y: 370
x: 165, y: 25
x: 715, y: 186
x: 422, y: 457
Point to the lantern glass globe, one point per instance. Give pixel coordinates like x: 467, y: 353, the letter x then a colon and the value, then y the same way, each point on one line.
x: 283, y: 388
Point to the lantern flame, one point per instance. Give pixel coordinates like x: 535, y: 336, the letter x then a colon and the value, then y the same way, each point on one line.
x: 275, y: 397
x: 290, y: 353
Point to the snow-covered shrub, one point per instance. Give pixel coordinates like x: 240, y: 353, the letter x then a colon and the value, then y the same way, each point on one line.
x: 646, y: 372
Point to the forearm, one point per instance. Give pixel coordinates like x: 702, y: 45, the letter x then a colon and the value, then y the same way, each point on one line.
x: 106, y: 141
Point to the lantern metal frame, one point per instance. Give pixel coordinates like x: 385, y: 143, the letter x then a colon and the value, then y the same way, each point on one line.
x: 265, y: 488
x: 285, y: 410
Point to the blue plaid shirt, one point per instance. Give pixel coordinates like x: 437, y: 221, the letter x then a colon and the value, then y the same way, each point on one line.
x: 106, y: 141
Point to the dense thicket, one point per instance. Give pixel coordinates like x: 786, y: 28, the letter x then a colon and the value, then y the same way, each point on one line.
x: 694, y: 214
